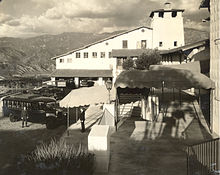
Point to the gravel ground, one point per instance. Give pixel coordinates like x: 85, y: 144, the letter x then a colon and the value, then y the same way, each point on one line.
x: 15, y: 141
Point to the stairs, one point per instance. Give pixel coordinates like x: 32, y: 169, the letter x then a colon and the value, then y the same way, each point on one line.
x: 129, y: 105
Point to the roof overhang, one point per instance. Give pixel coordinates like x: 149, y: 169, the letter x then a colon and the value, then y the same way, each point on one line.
x: 186, y: 47
x: 81, y: 73
x: 128, y: 52
x: 164, y: 10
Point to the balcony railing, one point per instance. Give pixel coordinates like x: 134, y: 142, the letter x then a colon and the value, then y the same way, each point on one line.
x: 203, y: 158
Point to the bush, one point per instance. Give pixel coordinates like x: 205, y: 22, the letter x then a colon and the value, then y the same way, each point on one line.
x: 57, y: 158
x: 128, y: 64
x: 151, y: 57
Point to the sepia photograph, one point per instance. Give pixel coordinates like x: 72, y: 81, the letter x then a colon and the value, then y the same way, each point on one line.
x: 109, y: 87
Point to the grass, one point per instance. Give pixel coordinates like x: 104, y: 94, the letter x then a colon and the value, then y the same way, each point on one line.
x: 57, y: 158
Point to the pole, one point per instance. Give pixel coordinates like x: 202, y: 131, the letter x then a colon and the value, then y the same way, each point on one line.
x: 68, y: 120
x: 109, y: 96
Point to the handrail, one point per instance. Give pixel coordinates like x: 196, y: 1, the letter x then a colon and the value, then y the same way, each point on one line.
x: 202, y: 156
x: 203, y: 142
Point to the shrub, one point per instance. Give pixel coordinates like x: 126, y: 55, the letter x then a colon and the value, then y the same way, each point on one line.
x: 151, y: 57
x: 57, y: 158
x: 128, y: 64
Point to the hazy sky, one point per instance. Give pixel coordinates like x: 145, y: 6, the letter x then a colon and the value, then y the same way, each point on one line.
x: 25, y: 18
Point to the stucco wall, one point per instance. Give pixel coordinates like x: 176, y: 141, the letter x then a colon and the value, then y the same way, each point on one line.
x: 214, y: 64
x: 167, y: 30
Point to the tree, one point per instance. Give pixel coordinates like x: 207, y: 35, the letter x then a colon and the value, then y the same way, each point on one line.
x: 150, y: 57
x: 128, y: 64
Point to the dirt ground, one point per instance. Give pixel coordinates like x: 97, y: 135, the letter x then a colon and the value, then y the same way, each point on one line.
x: 15, y: 141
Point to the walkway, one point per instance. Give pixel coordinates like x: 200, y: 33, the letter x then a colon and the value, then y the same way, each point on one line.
x: 156, y: 148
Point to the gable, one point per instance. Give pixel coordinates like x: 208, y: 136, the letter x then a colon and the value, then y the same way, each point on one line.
x: 110, y: 40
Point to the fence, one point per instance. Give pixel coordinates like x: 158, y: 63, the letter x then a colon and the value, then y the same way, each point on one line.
x: 203, y: 158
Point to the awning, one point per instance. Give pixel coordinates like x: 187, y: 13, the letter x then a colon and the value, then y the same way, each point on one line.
x: 127, y: 52
x: 87, y: 95
x: 81, y: 73
x: 169, y: 78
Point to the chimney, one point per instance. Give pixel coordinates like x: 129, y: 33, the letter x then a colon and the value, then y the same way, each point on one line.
x: 167, y: 6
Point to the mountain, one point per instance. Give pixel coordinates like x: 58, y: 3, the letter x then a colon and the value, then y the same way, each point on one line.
x: 19, y: 56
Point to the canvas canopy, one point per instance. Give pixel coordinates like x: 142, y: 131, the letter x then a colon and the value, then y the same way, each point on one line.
x: 169, y: 78
x: 87, y: 95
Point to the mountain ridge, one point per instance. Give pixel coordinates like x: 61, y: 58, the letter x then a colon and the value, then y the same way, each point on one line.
x: 34, y: 54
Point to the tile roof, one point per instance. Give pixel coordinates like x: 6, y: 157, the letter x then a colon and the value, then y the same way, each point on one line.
x: 81, y: 73
x: 111, y: 37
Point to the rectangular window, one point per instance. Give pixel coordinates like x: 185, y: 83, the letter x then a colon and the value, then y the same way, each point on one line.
x: 143, y: 44
x: 69, y: 60
x: 102, y: 54
x: 77, y: 54
x: 110, y: 55
x: 161, y: 14
x: 125, y: 44
x: 86, y: 54
x: 175, y: 43
x: 160, y: 44
x: 61, y: 60
x: 174, y: 14
x: 94, y: 54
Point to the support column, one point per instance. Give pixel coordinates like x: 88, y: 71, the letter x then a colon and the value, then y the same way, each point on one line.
x: 76, y: 81
x: 143, y: 107
x: 100, y: 81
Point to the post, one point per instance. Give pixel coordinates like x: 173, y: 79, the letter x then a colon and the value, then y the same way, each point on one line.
x: 162, y: 100
x: 109, y: 95
x: 68, y: 120
x: 180, y: 97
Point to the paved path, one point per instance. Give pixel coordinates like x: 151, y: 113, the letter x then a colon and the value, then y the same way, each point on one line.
x: 159, y: 148
x: 154, y: 148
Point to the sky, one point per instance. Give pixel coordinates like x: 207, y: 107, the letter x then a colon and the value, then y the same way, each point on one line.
x: 29, y: 18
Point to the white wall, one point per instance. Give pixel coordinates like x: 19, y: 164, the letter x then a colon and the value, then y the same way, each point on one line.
x: 168, y: 30
x: 106, y: 46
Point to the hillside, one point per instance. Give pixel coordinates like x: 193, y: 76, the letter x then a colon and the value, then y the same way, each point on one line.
x: 33, y: 54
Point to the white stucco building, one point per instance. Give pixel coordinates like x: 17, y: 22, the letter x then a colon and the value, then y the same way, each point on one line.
x: 95, y: 61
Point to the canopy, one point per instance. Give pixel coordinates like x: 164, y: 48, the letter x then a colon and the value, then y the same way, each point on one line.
x: 87, y: 95
x: 169, y: 78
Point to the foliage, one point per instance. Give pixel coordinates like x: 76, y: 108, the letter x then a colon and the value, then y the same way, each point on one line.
x: 151, y: 57
x: 57, y: 158
x: 128, y: 64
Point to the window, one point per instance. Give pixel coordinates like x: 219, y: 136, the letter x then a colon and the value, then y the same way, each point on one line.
x: 86, y: 54
x: 161, y: 14
x: 94, y: 54
x: 69, y: 60
x: 77, y: 54
x: 61, y: 60
x: 110, y: 55
x: 175, y: 43
x: 143, y: 44
x: 125, y: 44
x: 174, y: 14
x: 102, y: 54
x: 160, y: 44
